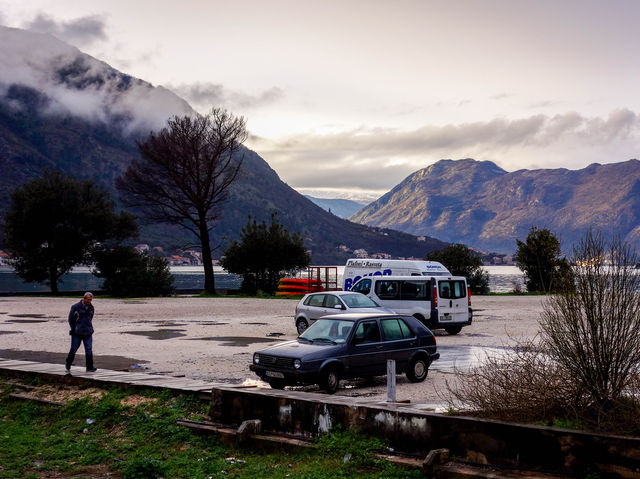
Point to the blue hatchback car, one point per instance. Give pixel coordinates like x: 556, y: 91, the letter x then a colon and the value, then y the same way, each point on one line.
x: 347, y: 346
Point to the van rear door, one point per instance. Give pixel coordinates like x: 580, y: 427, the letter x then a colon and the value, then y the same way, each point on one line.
x: 453, y: 304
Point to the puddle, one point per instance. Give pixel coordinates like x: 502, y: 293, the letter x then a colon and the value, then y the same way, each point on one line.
x: 257, y: 324
x: 4, y: 312
x: 134, y: 301
x: 241, y: 341
x: 164, y: 324
x: 211, y: 323
x: 10, y: 332
x: 275, y: 335
x: 116, y: 363
x: 29, y: 315
x: 24, y: 321
x: 159, y: 334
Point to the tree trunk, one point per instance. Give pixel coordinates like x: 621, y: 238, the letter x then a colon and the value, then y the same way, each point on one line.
x: 53, y: 279
x: 209, y: 280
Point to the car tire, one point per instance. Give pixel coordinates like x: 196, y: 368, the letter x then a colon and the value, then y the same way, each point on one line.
x: 330, y: 380
x: 453, y: 329
x: 276, y: 383
x: 418, y: 370
x: 302, y: 325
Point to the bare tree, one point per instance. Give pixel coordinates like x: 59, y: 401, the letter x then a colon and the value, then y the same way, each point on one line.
x: 594, y: 332
x: 184, y: 174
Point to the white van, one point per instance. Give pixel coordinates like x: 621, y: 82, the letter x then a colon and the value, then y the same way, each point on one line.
x: 360, y: 268
x: 440, y: 302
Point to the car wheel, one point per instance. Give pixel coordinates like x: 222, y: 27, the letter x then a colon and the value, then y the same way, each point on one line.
x: 330, y: 380
x: 418, y: 370
x: 276, y: 383
x: 302, y: 325
x: 453, y: 329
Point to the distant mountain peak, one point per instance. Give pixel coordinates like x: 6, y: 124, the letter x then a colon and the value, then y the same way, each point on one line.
x: 78, y: 84
x: 482, y: 205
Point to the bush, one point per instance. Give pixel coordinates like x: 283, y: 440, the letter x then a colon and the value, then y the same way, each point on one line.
x: 585, y: 366
x: 129, y: 273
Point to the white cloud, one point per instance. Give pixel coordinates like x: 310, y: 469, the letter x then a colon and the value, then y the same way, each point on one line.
x: 205, y: 96
x: 378, y: 158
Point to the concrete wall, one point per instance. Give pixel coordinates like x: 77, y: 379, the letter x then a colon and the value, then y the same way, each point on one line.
x: 414, y: 431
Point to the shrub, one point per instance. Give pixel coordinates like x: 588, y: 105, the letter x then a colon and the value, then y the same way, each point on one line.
x: 129, y: 273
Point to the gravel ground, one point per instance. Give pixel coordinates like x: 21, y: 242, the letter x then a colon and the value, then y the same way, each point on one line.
x: 214, y: 338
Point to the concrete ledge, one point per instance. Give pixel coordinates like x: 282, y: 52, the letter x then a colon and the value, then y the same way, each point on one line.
x: 417, y: 432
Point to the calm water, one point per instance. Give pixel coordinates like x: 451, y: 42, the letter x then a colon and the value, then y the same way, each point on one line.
x: 501, y: 279
x: 81, y: 279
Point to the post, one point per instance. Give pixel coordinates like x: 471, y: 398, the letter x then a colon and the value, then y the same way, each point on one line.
x: 391, y: 380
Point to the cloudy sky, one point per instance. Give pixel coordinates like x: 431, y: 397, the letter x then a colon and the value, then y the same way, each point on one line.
x: 350, y: 97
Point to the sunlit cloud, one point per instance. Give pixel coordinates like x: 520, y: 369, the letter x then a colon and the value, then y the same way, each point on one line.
x: 378, y: 158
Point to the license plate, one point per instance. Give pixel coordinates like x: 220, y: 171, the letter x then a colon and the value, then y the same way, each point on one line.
x: 446, y: 316
x: 274, y: 374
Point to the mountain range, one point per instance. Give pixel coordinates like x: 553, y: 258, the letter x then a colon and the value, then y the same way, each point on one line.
x: 340, y: 207
x: 65, y: 110
x: 482, y: 205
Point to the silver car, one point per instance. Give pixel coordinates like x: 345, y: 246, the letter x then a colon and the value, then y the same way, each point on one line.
x: 315, y: 305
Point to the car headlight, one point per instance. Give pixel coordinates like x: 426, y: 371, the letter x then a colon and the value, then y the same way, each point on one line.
x: 256, y: 359
x: 297, y: 364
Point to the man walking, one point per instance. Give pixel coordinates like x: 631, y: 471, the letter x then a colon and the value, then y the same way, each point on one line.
x: 81, y: 331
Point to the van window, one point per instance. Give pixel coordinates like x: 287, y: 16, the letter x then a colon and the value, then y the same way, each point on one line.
x: 387, y: 289
x: 415, y: 291
x: 363, y: 286
x: 452, y: 289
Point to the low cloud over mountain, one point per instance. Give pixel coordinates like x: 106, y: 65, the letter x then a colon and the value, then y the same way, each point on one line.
x: 74, y: 83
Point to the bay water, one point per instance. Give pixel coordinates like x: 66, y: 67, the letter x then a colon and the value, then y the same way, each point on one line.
x: 501, y: 279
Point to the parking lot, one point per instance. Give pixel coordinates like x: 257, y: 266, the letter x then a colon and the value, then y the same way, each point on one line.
x: 214, y: 338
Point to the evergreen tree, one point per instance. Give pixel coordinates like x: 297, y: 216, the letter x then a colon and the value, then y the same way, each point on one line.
x: 539, y: 258
x: 461, y: 261
x: 264, y: 254
x: 53, y: 223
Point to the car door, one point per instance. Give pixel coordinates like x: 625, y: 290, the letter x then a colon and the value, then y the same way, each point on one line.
x: 315, y: 307
x: 453, y: 302
x: 399, y: 341
x: 367, y: 356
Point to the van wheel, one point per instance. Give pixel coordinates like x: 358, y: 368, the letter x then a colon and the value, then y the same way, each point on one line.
x: 453, y: 329
x: 302, y: 325
x: 418, y: 370
x: 330, y: 380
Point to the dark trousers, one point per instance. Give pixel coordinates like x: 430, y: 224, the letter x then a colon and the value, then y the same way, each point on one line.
x: 88, y: 351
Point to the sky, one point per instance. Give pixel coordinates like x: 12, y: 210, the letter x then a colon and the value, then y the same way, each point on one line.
x: 347, y: 98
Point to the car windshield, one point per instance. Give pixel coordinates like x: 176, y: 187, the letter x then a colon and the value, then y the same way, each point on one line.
x: 358, y: 301
x: 330, y: 330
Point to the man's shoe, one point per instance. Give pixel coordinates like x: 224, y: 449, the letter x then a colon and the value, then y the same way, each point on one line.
x: 68, y: 370
x: 92, y: 370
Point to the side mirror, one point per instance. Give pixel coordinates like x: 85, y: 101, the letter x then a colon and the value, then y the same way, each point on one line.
x: 338, y: 306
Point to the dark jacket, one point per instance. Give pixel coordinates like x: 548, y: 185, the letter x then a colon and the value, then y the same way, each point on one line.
x: 80, y: 318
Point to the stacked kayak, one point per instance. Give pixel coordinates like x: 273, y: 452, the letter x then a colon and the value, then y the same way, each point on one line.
x: 298, y: 286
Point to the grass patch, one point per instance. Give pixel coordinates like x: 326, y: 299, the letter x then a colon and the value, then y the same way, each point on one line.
x: 135, y: 436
